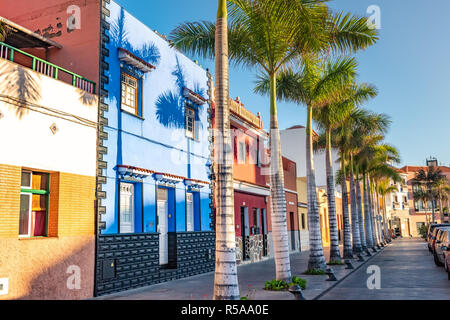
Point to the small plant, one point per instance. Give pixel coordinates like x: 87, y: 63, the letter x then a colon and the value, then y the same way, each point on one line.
x: 314, y: 272
x: 298, y: 281
x: 280, y: 285
x: 276, y: 285
x: 335, y: 263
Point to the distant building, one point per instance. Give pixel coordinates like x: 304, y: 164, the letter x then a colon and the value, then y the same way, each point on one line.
x: 293, y: 144
x: 292, y: 216
x: 408, y: 214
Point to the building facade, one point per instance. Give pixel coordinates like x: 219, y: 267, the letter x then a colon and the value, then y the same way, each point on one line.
x: 292, y: 216
x: 293, y: 144
x: 251, y: 191
x: 155, y: 215
x: 49, y: 112
x: 408, y: 214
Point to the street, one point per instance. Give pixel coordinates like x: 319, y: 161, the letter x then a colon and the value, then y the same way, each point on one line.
x: 408, y: 272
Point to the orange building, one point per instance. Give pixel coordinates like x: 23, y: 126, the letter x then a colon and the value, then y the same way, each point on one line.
x: 49, y: 108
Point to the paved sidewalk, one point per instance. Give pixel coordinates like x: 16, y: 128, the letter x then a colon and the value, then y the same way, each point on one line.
x: 408, y: 272
x: 251, y: 281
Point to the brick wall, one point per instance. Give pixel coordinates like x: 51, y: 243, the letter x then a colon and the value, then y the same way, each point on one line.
x: 9, y: 200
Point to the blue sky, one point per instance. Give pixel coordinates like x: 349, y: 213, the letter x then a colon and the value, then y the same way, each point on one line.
x: 410, y: 65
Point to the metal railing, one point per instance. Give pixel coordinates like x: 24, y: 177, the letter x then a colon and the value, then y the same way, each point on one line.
x: 46, y: 68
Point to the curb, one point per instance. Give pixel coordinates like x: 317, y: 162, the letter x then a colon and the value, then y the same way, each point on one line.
x: 320, y: 295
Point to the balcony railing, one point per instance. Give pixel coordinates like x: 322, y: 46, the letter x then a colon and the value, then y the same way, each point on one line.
x: 46, y: 68
x: 238, y: 109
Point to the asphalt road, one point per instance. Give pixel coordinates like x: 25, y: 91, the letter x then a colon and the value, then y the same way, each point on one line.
x: 405, y: 270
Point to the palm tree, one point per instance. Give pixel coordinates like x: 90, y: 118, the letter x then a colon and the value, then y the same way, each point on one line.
x: 268, y: 35
x: 442, y: 190
x: 327, y: 119
x: 225, y: 277
x: 316, y: 85
x: 429, y: 179
x: 372, y: 159
x: 352, y: 136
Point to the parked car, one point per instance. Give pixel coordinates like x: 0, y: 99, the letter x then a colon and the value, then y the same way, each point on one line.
x: 441, y: 245
x: 431, y: 228
x: 434, y: 237
x: 447, y: 256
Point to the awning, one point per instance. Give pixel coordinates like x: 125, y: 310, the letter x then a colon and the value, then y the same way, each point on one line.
x: 193, y: 97
x: 140, y: 64
x: 20, y: 37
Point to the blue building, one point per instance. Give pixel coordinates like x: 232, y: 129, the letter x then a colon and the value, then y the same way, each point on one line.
x: 155, y: 215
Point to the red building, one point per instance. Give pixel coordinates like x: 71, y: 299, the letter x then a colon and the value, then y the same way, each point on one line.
x: 290, y: 187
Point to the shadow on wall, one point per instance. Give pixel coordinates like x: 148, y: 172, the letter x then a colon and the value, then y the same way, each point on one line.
x: 53, y: 282
x: 119, y: 38
x: 20, y: 84
x: 170, y: 105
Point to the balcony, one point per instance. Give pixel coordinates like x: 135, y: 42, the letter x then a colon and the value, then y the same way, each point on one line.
x: 237, y: 108
x: 25, y: 59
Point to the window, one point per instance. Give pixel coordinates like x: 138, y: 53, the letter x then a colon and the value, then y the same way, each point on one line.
x: 242, y: 152
x: 130, y: 94
x: 303, y: 221
x: 190, y: 123
x: 127, y: 207
x: 33, y: 204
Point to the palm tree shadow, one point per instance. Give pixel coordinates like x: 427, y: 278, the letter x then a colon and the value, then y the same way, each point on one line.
x: 20, y: 84
x: 170, y: 106
x: 119, y: 38
x: 87, y: 98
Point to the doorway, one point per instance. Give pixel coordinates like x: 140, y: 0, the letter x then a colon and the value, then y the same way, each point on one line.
x: 264, y: 231
x: 163, y: 212
x: 245, y: 233
x: 126, y: 207
x: 291, y: 219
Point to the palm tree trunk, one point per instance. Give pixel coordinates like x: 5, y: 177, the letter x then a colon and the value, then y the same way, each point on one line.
x: 386, y: 231
x: 367, y: 214
x: 372, y: 213
x: 316, y: 256
x: 362, y: 232
x: 278, y: 197
x: 380, y: 227
x: 355, y: 221
x: 348, y: 251
x: 440, y: 208
x: 335, y: 254
x: 432, y: 206
x: 225, y: 276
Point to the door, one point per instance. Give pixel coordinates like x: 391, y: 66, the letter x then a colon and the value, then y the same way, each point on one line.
x: 264, y: 231
x: 163, y: 212
x: 189, y: 212
x: 126, y: 207
x: 291, y: 216
x: 244, y: 232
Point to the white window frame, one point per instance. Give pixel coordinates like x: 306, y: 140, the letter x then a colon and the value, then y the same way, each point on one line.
x: 132, y: 207
x: 190, y: 215
x: 125, y: 85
